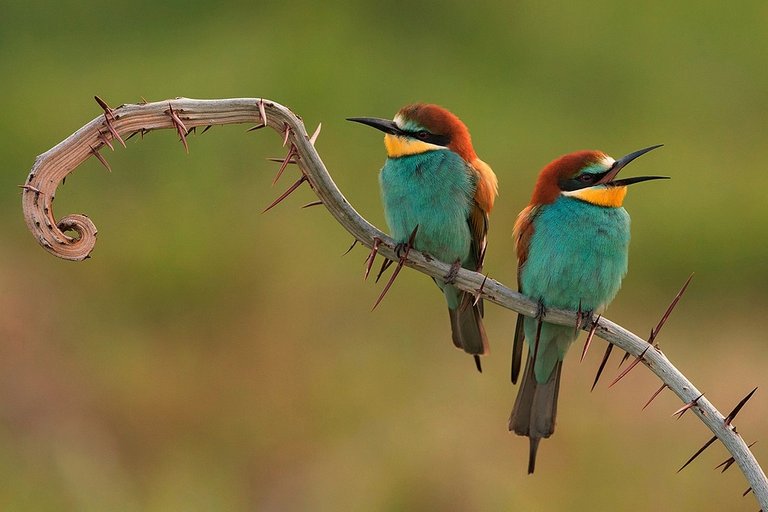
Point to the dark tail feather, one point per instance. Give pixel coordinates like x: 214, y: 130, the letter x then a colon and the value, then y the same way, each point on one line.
x: 467, y: 326
x: 517, y: 348
x: 535, y: 408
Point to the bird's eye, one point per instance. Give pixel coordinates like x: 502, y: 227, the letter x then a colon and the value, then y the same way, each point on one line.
x: 423, y: 135
x: 587, y: 178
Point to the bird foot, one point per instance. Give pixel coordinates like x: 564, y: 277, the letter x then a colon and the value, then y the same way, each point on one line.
x: 450, y: 277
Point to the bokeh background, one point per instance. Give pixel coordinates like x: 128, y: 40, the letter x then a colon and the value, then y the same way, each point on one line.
x: 209, y: 357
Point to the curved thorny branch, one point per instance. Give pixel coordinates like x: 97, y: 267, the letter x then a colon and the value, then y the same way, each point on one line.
x: 184, y: 115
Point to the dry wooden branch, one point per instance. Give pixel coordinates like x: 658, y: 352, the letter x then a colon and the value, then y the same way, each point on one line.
x: 182, y: 114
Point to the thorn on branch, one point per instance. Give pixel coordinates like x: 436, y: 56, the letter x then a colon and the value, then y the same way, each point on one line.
x: 735, y: 411
x: 624, y: 359
x: 179, y: 125
x: 400, y: 264
x: 106, y: 141
x: 290, y: 158
x: 679, y: 413
x: 263, y: 113
x: 602, y: 365
x: 100, y: 158
x: 749, y: 489
x: 206, y: 129
x: 588, y: 341
x: 286, y: 193
x: 655, y: 331
x: 372, y: 256
x: 286, y: 133
x: 316, y: 133
x: 313, y: 203
x: 354, y: 243
x: 109, y: 117
x: 658, y: 391
x: 727, y: 463
x: 479, y: 294
x: 384, y: 266
x: 706, y: 445
x: 629, y: 368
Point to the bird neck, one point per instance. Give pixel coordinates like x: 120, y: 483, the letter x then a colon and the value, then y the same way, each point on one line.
x: 404, y: 146
x: 610, y: 197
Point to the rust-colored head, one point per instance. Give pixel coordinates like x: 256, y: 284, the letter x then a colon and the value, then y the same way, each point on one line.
x: 423, y: 127
x: 588, y: 175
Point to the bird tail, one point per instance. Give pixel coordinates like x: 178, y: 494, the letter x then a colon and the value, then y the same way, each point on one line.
x: 467, y: 326
x: 535, y: 408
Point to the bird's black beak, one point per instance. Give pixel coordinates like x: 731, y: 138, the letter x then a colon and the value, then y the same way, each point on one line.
x: 618, y: 165
x: 385, y: 125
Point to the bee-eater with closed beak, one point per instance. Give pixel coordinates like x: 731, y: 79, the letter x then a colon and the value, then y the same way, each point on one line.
x: 434, y: 183
x: 572, y: 243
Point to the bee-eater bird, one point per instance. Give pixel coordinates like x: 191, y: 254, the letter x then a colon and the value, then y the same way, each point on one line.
x: 433, y: 184
x: 572, y: 242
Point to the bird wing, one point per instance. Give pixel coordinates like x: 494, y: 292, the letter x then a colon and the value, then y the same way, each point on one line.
x: 523, y: 232
x: 486, y: 190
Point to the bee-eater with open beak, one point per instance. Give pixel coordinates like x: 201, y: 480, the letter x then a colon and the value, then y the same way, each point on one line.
x: 572, y: 242
x: 434, y: 183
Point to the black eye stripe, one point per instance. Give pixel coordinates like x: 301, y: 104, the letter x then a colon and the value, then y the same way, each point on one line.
x: 438, y: 140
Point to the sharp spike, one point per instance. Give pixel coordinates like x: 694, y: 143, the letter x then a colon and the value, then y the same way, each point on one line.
x: 29, y: 188
x: 263, y: 112
x: 286, y: 193
x: 400, y: 264
x: 624, y: 359
x: 477, y: 363
x: 655, y: 332
x: 658, y: 391
x: 706, y: 445
x: 591, y: 335
x: 291, y: 154
x: 279, y: 160
x: 727, y: 463
x: 180, y: 128
x: 105, y: 140
x: 254, y: 128
x: 206, y: 129
x: 287, y: 130
x: 313, y: 203
x: 479, y: 293
x: 602, y: 365
x: 316, y: 134
x: 679, y: 413
x: 371, y: 257
x: 103, y: 105
x: 132, y: 135
x: 746, y: 492
x: 735, y: 411
x: 629, y: 368
x: 384, y: 266
x: 100, y: 158
x: 354, y: 243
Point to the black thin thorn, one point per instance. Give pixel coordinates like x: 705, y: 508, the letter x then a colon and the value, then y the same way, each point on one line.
x: 655, y: 331
x: 735, y: 411
x: 746, y: 492
x: 313, y: 203
x: 602, y: 365
x: 477, y: 364
x: 629, y: 368
x: 706, y: 445
x: 727, y: 463
x: 479, y: 294
x: 254, y: 128
x: 286, y: 193
x: 624, y: 359
x: 658, y: 391
x: 206, y: 129
x: 384, y: 266
x: 354, y: 243
x: 591, y: 335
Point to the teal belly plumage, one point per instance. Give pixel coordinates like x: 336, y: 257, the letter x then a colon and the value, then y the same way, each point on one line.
x: 433, y: 190
x: 577, y: 256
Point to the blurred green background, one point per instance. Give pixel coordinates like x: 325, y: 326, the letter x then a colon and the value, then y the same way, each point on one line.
x: 210, y: 357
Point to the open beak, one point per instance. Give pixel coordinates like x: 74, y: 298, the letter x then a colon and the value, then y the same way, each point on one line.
x: 385, y: 125
x: 622, y: 162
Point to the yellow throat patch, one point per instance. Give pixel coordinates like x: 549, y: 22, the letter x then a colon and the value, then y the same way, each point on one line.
x: 612, y: 197
x: 402, y: 146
